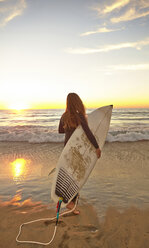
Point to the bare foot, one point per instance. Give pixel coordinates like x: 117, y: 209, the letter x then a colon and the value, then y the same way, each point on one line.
x: 76, y: 212
x: 70, y: 205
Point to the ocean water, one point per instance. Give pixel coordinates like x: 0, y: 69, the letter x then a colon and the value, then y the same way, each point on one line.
x: 123, y: 181
x: 38, y: 126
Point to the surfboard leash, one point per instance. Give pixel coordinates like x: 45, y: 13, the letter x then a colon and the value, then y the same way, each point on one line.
x: 46, y: 219
x: 58, y: 209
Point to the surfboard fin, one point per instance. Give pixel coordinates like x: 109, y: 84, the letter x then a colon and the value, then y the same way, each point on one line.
x: 52, y: 171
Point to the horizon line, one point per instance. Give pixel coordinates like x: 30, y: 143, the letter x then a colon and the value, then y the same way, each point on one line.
x: 121, y: 107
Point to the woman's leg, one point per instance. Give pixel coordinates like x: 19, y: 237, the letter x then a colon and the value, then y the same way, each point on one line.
x: 71, y: 205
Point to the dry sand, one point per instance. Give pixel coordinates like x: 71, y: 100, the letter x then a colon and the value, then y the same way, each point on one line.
x: 120, y: 229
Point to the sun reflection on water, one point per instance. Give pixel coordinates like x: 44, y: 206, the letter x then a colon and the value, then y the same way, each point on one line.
x: 19, y: 168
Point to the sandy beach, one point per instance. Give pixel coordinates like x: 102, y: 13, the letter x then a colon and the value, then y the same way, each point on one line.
x: 123, y: 226
x: 127, y: 229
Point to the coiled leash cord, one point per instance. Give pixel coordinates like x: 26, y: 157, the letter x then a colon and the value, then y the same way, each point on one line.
x: 45, y: 219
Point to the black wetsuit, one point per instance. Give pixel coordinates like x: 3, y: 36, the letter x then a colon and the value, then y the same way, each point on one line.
x: 69, y: 131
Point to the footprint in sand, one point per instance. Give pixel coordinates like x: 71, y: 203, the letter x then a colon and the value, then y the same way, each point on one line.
x: 88, y: 228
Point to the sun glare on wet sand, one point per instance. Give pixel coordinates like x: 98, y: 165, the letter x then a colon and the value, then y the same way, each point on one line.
x: 19, y: 167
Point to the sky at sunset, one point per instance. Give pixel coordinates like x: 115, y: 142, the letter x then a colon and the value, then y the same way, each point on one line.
x: 96, y: 48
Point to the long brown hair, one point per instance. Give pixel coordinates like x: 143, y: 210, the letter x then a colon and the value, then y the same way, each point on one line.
x: 74, y: 107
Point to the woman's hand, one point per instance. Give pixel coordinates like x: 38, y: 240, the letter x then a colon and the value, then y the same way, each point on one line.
x: 98, y: 152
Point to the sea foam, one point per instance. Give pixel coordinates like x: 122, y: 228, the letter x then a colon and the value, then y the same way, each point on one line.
x: 39, y: 126
x: 42, y: 136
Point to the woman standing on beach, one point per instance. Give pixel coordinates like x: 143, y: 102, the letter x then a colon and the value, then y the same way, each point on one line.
x: 74, y: 116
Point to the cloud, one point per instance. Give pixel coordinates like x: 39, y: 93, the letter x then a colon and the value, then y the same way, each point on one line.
x: 137, y: 45
x: 124, y: 10
x: 99, y: 30
x: 114, y: 6
x: 117, y: 5
x: 11, y: 9
x: 144, y: 4
x: 130, y: 15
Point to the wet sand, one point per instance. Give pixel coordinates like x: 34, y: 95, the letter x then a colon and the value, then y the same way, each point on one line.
x: 121, y: 228
x: 129, y: 229
x: 115, y: 160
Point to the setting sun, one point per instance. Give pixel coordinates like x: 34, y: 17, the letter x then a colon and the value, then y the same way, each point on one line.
x: 18, y: 106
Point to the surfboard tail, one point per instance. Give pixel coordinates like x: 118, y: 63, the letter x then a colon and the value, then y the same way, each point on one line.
x: 65, y: 186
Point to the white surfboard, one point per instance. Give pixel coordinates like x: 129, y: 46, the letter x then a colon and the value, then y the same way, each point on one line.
x: 78, y: 157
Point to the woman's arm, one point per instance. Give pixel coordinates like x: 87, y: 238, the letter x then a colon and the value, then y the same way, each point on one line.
x: 90, y: 135
x: 61, y: 124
